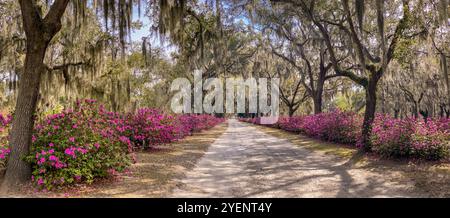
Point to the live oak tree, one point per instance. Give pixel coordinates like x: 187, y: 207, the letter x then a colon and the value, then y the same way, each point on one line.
x: 371, y: 66
x: 39, y: 31
x: 40, y: 26
x: 314, y: 65
x: 439, y: 36
x: 416, y: 84
x: 299, y: 45
x: 292, y: 94
x: 76, y: 61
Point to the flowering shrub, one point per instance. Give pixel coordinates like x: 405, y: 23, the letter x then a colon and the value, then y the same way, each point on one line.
x: 443, y: 124
x: 429, y: 141
x: 336, y: 126
x: 390, y: 137
x: 4, y: 148
x: 291, y: 124
x: 151, y: 127
x: 78, y: 146
x: 89, y: 142
x: 409, y: 137
x: 197, y: 123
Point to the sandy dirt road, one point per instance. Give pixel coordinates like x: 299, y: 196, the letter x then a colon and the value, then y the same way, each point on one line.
x: 246, y: 162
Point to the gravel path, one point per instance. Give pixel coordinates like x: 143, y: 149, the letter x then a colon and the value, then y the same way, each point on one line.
x: 245, y: 162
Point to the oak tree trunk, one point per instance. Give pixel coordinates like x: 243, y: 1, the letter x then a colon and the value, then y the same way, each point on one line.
x: 317, y: 100
x: 291, y: 110
x: 317, y: 94
x: 369, y: 114
x: 39, y: 32
x: 19, y: 171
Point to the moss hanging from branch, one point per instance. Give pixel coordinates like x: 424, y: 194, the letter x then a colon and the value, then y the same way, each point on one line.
x: 360, y: 9
x: 443, y: 10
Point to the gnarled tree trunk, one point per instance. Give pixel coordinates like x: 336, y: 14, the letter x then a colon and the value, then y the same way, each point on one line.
x: 317, y: 98
x: 369, y: 114
x: 39, y: 33
x: 18, y: 171
x: 291, y: 110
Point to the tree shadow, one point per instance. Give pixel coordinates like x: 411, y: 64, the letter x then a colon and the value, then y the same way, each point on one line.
x: 245, y: 162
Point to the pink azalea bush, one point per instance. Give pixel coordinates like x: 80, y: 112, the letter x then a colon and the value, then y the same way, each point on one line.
x: 198, y: 122
x: 410, y: 138
x: 89, y: 142
x: 150, y: 127
x: 443, y: 124
x: 5, y: 122
x: 336, y: 126
x: 78, y: 146
x: 291, y: 124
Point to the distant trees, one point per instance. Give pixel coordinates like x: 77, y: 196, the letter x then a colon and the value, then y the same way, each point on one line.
x: 365, y: 34
x: 370, y: 66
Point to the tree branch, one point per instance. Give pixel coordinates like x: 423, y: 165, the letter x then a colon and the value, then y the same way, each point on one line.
x: 30, y: 16
x: 401, y: 26
x: 64, y: 66
x: 56, y: 11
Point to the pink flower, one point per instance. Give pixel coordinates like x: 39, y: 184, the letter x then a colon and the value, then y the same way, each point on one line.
x: 4, y: 153
x: 70, y: 151
x: 53, y: 158
x: 82, y: 150
x: 41, y: 161
x: 59, y: 165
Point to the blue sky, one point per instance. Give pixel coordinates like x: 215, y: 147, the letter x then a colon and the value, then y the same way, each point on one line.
x: 136, y: 35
